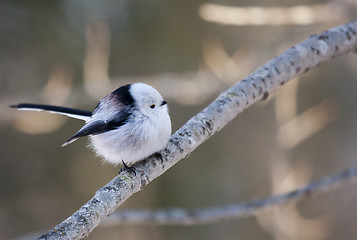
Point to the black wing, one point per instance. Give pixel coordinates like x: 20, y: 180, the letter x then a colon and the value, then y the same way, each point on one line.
x: 99, y: 126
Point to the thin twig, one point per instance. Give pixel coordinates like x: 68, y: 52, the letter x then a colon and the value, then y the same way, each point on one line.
x: 181, y: 216
x: 293, y: 62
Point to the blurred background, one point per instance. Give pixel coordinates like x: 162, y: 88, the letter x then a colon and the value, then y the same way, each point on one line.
x: 73, y: 53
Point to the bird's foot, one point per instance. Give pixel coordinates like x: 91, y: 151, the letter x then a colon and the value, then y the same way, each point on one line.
x: 127, y: 168
x: 159, y: 156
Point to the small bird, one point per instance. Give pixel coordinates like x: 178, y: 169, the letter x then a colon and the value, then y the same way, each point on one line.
x: 128, y: 125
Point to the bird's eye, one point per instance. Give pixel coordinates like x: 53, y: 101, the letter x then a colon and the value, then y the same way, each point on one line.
x: 152, y: 106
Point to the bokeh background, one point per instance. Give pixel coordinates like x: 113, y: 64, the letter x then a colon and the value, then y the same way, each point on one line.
x: 72, y: 53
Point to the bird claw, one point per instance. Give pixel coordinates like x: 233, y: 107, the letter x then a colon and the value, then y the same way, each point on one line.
x: 127, y: 168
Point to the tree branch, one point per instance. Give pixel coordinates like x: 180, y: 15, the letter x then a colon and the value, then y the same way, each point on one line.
x: 293, y: 62
x: 180, y: 216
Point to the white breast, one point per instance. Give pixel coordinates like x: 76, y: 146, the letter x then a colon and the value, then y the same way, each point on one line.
x: 134, y: 141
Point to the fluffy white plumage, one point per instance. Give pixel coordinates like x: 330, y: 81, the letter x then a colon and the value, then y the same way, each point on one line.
x: 146, y: 131
x: 128, y: 124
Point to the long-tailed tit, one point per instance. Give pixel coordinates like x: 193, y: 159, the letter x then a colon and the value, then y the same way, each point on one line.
x: 127, y: 125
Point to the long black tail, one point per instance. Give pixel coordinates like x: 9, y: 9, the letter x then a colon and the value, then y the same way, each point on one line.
x: 70, y: 112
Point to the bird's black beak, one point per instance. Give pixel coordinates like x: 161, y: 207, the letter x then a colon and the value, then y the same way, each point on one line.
x: 163, y: 102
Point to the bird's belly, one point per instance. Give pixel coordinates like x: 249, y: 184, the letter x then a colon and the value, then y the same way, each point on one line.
x: 128, y: 144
